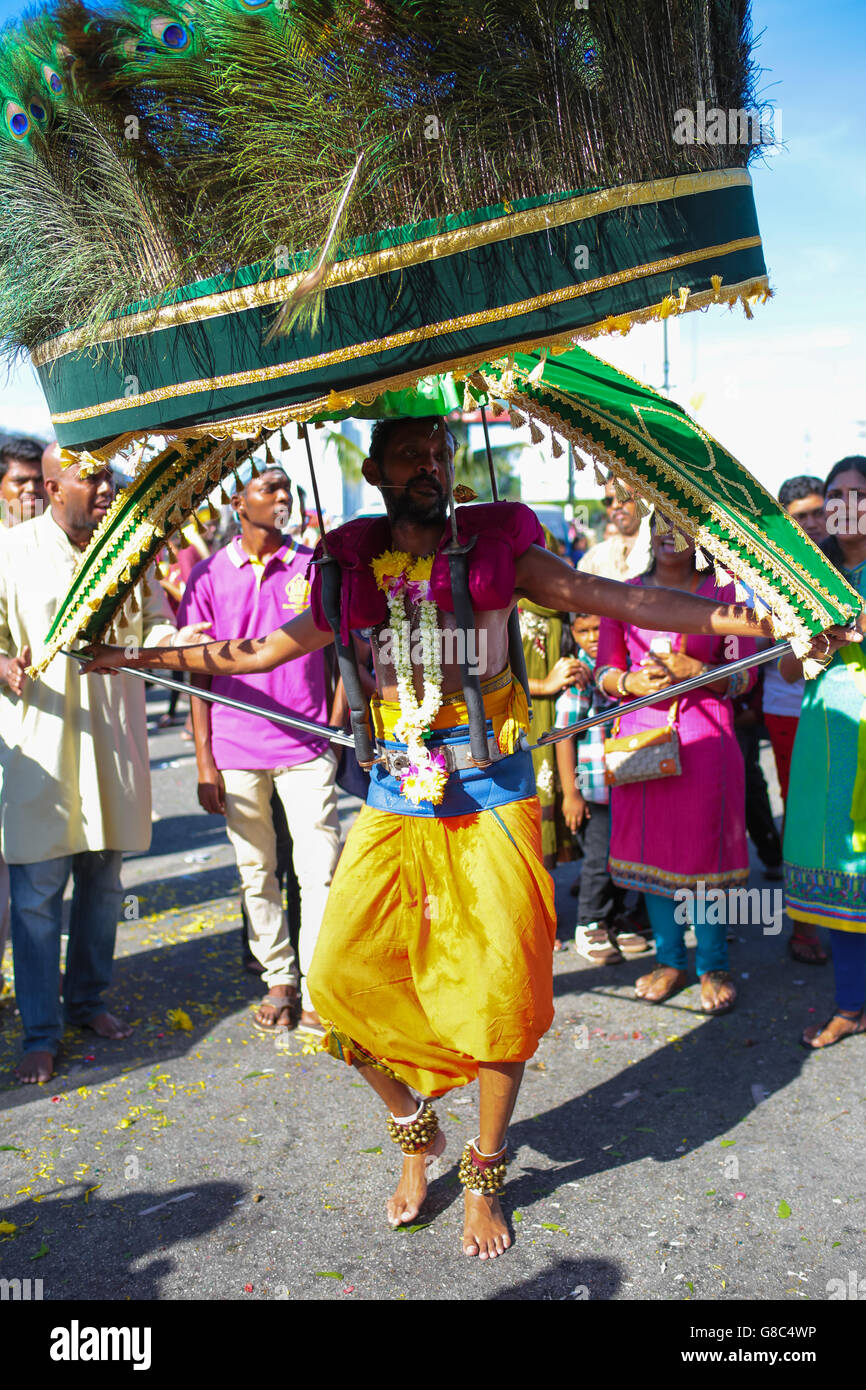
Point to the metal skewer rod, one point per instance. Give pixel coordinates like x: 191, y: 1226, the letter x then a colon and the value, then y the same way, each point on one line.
x: 494, y: 488
x: 309, y: 726
x: 730, y: 668
x: 291, y: 721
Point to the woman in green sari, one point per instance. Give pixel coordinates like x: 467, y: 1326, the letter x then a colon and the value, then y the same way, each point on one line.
x: 825, y: 824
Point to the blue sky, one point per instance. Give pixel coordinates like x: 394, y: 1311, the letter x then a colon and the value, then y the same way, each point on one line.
x: 785, y: 392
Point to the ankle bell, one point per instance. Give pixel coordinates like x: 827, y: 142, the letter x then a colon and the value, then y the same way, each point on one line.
x: 417, y: 1132
x: 482, y: 1173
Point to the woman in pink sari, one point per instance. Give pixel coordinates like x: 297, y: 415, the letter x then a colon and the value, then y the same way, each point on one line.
x: 672, y: 834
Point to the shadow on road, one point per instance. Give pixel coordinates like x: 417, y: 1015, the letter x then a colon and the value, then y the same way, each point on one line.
x: 668, y: 1104
x: 203, y: 977
x: 576, y: 1280
x: 81, y: 1247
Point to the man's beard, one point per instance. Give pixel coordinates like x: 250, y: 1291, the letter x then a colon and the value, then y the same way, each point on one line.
x: 428, y: 511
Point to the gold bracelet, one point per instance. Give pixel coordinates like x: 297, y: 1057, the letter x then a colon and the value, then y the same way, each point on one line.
x: 621, y: 690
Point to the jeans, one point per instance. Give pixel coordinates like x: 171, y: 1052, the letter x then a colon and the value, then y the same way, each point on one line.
x: 712, y: 953
x: 37, y: 903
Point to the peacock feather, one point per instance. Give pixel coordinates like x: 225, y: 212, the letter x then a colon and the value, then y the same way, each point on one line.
x: 175, y: 139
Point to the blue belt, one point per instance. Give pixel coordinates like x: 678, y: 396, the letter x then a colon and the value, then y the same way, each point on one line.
x: 468, y: 790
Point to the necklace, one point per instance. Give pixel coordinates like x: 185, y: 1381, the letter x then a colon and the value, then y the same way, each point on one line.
x: 401, y: 576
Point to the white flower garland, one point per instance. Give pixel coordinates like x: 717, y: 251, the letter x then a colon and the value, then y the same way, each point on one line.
x: 398, y: 575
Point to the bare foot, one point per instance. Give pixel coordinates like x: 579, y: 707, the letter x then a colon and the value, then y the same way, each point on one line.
x: 407, y: 1201
x: 107, y: 1026
x: 35, y: 1067
x: 718, y: 992
x: 660, y: 984
x: 485, y: 1233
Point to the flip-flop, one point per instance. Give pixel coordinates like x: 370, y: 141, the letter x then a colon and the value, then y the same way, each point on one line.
x: 281, y: 1003
x: 860, y: 1028
x: 720, y: 977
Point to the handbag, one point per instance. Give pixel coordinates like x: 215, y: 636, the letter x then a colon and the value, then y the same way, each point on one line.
x: 644, y: 756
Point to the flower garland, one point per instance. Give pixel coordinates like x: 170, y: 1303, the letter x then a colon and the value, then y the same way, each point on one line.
x: 401, y: 576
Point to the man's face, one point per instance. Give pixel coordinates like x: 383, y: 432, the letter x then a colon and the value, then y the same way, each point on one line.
x: 22, y: 490
x: 809, y: 512
x: 415, y: 472
x: 623, y: 514
x: 267, y: 500
x: 81, y: 503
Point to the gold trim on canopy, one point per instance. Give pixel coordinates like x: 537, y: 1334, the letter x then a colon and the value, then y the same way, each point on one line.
x: 434, y: 330
x: 348, y: 271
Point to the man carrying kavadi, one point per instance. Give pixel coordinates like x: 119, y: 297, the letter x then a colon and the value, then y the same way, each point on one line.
x: 434, y: 960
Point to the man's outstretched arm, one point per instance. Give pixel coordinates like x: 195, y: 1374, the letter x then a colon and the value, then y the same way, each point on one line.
x: 238, y: 656
x: 549, y: 581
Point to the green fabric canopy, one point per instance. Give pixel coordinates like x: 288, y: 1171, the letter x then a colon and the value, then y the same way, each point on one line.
x: 636, y: 435
x: 410, y: 302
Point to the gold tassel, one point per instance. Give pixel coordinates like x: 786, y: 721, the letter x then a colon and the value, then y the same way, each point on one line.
x: 641, y: 507
x: 556, y: 447
x: 599, y: 476
x: 684, y: 295
x: 225, y: 500
x: 716, y: 282
x: 535, y: 433
x: 740, y: 591
x: 667, y: 307
x: 517, y: 420
x: 701, y: 560
x: 133, y: 603
x: 662, y: 523
x: 680, y: 542
x: 269, y: 458
x: 284, y: 443
x: 722, y: 576
x: 747, y: 308
x: 620, y: 491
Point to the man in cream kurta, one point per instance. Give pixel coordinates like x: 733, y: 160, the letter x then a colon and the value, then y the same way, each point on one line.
x: 76, y: 775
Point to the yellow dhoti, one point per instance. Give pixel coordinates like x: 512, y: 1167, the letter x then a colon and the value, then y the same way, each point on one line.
x: 435, y: 952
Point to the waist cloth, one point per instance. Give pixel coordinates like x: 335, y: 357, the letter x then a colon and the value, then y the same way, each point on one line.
x: 436, y: 948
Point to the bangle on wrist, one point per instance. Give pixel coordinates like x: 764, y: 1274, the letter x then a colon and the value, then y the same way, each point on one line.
x: 621, y: 689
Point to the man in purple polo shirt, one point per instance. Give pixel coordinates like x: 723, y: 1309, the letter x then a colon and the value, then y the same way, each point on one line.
x: 255, y: 583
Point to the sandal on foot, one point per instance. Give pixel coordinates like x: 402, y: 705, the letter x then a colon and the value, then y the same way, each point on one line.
x: 807, y: 950
x: 718, y: 977
x: 282, y: 1004
x: 630, y: 942
x: 593, y: 944
x: 808, y: 1037
x: 664, y: 981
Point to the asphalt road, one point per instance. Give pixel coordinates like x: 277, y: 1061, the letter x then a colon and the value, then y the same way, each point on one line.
x: 657, y: 1154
